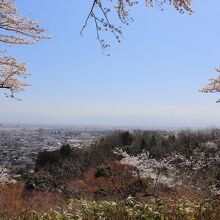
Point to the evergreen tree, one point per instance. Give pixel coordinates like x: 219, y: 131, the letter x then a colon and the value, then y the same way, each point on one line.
x: 143, y: 144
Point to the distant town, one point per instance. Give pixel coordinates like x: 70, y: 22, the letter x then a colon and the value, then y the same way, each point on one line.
x: 20, y: 144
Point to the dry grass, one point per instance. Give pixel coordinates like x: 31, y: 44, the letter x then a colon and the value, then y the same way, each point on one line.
x: 14, y: 201
x: 11, y: 200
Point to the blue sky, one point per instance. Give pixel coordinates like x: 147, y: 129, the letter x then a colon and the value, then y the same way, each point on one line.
x: 151, y: 79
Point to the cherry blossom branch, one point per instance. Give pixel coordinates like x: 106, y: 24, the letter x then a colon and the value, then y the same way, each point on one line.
x: 11, y: 73
x: 213, y: 86
x: 100, y: 14
x: 15, y: 29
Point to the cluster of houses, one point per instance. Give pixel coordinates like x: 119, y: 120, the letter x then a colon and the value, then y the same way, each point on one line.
x: 19, y: 146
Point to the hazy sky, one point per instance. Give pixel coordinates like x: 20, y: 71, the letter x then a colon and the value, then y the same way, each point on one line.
x: 151, y: 79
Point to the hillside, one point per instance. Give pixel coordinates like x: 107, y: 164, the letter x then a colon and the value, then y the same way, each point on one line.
x: 160, y: 170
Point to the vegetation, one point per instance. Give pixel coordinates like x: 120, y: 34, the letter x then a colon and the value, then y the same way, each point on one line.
x: 15, y: 30
x: 133, y: 210
x: 186, y: 156
x: 140, y: 175
x: 153, y: 174
x: 213, y: 86
x: 127, y: 209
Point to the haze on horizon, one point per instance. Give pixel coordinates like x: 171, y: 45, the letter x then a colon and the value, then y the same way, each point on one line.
x: 151, y: 79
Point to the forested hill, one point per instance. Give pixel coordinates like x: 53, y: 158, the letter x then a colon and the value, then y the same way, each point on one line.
x: 145, y: 173
x: 57, y: 168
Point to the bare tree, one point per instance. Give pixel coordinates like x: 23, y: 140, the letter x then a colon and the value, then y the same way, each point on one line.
x: 15, y: 29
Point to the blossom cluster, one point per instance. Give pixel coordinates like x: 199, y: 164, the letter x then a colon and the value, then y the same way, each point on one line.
x: 213, y: 86
x: 176, y: 168
x: 161, y: 171
x: 4, y: 177
x: 15, y: 29
x: 11, y: 73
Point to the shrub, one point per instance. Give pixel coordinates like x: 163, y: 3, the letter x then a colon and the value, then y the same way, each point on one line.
x: 47, y: 157
x: 102, y: 171
x: 11, y: 201
x: 65, y: 150
x: 131, y: 210
x: 40, y: 181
